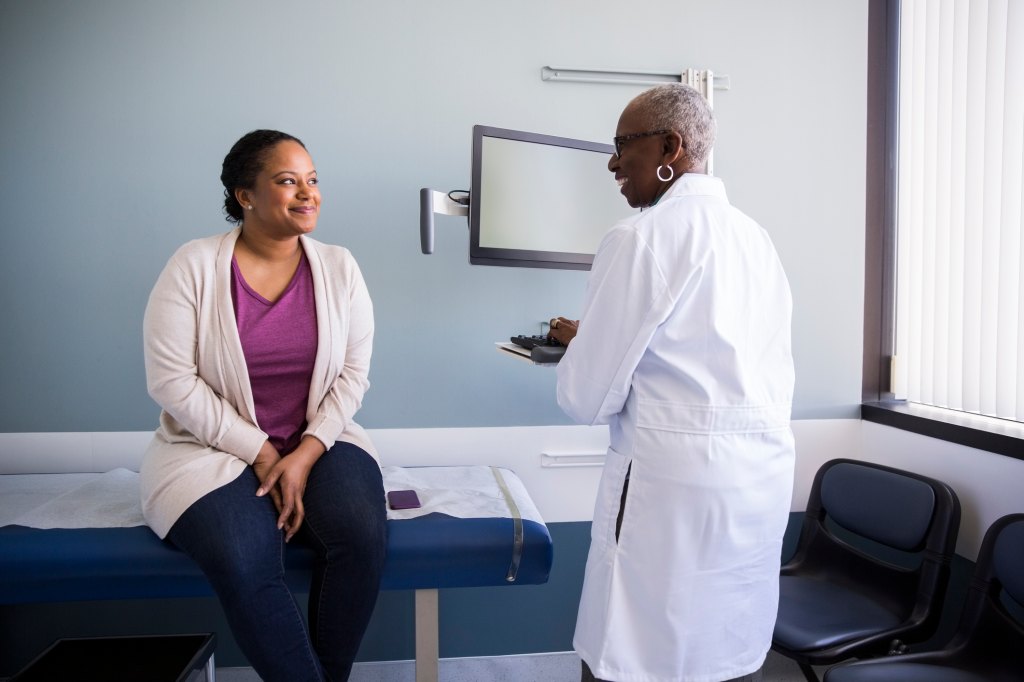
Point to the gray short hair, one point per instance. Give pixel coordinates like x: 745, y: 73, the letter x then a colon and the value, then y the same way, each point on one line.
x: 679, y: 107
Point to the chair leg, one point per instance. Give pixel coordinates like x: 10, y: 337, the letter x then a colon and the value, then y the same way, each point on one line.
x: 808, y: 672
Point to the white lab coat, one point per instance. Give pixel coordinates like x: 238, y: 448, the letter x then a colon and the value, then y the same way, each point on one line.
x: 684, y: 350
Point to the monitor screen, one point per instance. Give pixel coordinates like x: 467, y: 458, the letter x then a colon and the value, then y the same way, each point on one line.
x: 540, y: 201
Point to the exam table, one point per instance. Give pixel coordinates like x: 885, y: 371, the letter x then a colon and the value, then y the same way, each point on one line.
x: 81, y: 537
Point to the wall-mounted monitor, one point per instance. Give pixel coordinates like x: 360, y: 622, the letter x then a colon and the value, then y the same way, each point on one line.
x: 540, y: 201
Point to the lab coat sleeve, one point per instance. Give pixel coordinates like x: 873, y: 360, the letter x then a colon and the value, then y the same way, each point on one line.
x: 627, y: 298
x: 345, y: 395
x: 171, y: 333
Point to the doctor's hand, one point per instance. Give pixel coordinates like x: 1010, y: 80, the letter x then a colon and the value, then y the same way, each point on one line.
x: 563, y: 329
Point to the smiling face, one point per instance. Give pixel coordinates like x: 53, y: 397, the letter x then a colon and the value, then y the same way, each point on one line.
x: 636, y: 168
x: 285, y: 198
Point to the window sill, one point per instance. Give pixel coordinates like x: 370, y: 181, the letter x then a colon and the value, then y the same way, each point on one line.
x: 994, y: 435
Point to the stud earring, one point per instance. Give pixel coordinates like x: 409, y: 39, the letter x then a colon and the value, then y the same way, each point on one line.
x: 249, y: 207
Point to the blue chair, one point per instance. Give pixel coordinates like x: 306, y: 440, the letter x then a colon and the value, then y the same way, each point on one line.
x: 871, y: 566
x: 989, y: 643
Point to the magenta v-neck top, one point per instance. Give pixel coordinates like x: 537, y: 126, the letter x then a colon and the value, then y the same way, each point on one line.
x: 279, y: 341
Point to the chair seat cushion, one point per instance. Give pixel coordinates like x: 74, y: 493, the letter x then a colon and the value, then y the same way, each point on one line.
x: 885, y: 671
x: 815, y: 614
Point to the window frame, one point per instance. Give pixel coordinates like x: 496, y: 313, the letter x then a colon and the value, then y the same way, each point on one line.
x: 878, y: 403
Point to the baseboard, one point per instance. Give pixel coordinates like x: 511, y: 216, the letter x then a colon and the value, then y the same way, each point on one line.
x: 550, y: 667
x: 547, y: 667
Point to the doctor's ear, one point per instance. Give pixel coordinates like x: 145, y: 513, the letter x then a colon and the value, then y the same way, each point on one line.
x: 673, y: 147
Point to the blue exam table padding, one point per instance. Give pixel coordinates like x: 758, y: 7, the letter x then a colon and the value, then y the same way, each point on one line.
x: 67, y: 537
x: 82, y: 564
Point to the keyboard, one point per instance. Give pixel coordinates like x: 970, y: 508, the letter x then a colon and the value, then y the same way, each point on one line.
x: 534, y: 341
x: 542, y: 349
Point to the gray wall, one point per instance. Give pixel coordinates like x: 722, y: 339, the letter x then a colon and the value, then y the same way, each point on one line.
x: 117, y: 113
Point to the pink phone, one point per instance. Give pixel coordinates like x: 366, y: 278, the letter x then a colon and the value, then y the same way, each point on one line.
x: 403, y: 499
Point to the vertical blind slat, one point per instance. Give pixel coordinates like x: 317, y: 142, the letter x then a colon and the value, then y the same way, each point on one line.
x: 1009, y: 339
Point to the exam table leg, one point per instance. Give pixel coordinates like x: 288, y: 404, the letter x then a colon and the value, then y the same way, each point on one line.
x: 426, y: 636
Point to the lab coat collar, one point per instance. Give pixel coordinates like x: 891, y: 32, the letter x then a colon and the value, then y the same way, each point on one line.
x: 696, y: 184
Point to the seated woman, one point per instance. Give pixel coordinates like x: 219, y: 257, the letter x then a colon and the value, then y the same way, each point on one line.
x: 257, y: 347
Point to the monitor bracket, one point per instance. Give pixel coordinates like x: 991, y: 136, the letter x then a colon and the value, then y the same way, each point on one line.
x: 431, y: 202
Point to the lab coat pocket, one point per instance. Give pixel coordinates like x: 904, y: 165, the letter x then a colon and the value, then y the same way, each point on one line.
x: 609, y: 496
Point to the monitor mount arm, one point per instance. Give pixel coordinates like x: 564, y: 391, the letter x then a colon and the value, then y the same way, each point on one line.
x: 431, y: 202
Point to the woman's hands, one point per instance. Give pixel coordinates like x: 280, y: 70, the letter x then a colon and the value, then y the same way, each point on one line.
x: 284, y: 479
x: 563, y: 329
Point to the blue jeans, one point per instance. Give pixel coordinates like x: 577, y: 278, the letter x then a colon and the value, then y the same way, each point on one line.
x: 232, y: 535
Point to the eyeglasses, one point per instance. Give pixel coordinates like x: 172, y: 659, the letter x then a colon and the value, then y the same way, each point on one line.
x: 617, y: 141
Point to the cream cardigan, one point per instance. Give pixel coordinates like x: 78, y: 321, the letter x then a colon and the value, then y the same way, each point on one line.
x: 195, y: 371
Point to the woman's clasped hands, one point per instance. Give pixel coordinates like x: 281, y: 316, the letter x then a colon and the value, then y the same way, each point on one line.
x: 284, y: 479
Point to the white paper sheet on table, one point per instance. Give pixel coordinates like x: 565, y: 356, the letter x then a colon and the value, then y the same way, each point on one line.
x: 111, y: 500
x: 466, y: 492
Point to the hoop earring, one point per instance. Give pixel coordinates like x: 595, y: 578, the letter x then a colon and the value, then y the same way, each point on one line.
x: 671, y: 173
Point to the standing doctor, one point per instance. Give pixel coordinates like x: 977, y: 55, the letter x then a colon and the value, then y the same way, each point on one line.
x: 683, y: 349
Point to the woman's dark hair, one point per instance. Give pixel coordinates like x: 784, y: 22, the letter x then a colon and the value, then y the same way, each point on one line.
x: 244, y: 162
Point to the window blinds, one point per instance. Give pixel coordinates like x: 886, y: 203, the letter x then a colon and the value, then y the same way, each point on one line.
x: 959, y: 308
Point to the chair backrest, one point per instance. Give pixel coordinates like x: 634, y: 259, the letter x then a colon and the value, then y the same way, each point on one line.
x: 885, y: 506
x: 1008, y: 556
x: 998, y: 576
x: 915, y: 515
x: 988, y: 627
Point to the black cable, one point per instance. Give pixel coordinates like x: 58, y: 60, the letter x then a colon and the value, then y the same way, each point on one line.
x: 463, y: 200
